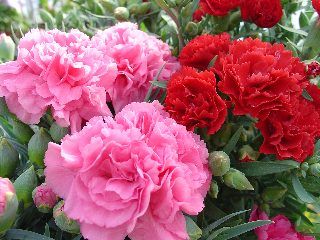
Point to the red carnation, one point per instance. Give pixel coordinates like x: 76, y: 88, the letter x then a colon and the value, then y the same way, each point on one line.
x: 219, y: 7
x: 201, y: 50
x: 316, y: 5
x: 291, y: 136
x: 264, y: 13
x: 314, y: 92
x: 192, y: 100
x: 197, y: 15
x: 260, y: 77
x: 313, y: 69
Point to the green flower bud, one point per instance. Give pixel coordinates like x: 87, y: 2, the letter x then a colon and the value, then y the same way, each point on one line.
x: 273, y: 194
x: 214, y: 189
x: 237, y: 180
x: 57, y: 132
x: 304, y: 166
x: 219, y: 163
x: 7, y: 48
x: 38, y: 146
x: 63, y: 221
x: 21, y: 131
x: 9, y: 158
x: 121, y: 14
x: 192, y: 28
x: 9, y: 205
x: 315, y: 169
x: 140, y: 9
x: 248, y: 154
x: 24, y: 186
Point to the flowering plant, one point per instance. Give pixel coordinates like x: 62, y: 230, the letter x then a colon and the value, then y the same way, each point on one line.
x: 162, y: 119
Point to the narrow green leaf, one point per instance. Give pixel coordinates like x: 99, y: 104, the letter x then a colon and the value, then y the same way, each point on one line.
x: 240, y: 229
x: 47, y: 18
x: 302, y: 194
x: 47, y: 230
x: 193, y: 230
x: 264, y: 168
x: 215, y: 224
x: 306, y: 95
x: 297, y: 31
x: 18, y: 234
x: 212, y: 62
x: 160, y: 84
x: 233, y: 141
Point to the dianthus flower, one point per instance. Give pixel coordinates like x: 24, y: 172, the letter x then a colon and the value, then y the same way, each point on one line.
x: 192, y: 100
x: 218, y: 7
x: 57, y: 71
x: 282, y: 228
x: 264, y: 13
x: 133, y: 175
x: 260, y: 77
x: 139, y: 57
x: 201, y: 50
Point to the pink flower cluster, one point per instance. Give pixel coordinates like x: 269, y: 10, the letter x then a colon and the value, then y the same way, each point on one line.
x: 132, y: 175
x: 74, y: 76
x: 282, y: 228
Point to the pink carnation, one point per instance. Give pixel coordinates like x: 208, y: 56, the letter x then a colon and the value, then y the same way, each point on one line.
x: 43, y: 196
x: 58, y: 71
x: 281, y: 229
x: 6, y: 187
x: 133, y: 175
x: 139, y: 58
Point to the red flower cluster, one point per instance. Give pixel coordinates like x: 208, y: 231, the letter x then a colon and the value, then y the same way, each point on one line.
x: 192, y: 100
x: 266, y: 81
x: 264, y: 13
x: 201, y: 50
x: 316, y: 5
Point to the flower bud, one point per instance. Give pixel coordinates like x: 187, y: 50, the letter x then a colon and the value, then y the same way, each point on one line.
x: 57, y: 132
x: 24, y: 186
x: 214, y: 189
x: 9, y: 158
x: 237, y: 180
x: 273, y: 194
x: 304, y: 166
x: 110, y: 5
x: 219, y: 163
x: 192, y: 28
x: 38, y: 146
x: 8, y: 205
x: 63, y: 221
x: 7, y: 48
x: 140, y: 9
x: 21, y: 131
x: 44, y: 198
x: 247, y: 154
x: 121, y: 13
x: 315, y: 169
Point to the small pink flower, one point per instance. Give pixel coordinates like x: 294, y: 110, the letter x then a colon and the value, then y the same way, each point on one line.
x: 58, y: 71
x: 133, y: 175
x: 282, y: 228
x: 139, y: 58
x: 44, y: 198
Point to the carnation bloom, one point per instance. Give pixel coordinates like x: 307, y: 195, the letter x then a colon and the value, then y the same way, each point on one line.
x: 316, y: 5
x: 192, y: 100
x: 282, y: 228
x: 44, y: 198
x: 219, y: 7
x: 291, y: 135
x: 139, y: 58
x: 260, y: 77
x: 57, y: 71
x: 264, y: 13
x: 133, y: 175
x: 201, y: 50
x: 197, y: 15
x: 313, y: 69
